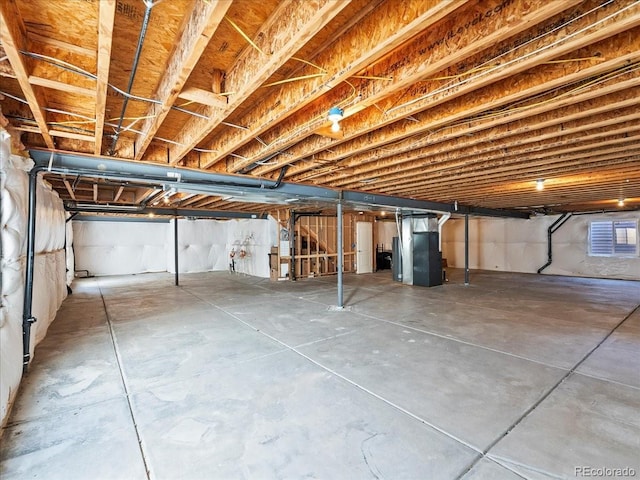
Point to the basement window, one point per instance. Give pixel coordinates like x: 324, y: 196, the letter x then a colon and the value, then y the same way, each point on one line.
x: 613, y: 238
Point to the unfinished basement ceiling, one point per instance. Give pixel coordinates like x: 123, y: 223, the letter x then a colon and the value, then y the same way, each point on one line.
x: 452, y: 101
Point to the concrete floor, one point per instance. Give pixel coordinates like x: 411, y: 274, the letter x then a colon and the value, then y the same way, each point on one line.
x: 233, y: 377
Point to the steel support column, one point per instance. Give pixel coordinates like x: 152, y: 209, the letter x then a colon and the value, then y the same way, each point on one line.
x: 340, y: 252
x: 466, y: 249
x: 175, y: 252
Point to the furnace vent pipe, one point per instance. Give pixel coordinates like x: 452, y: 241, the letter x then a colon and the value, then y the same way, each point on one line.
x: 550, y: 231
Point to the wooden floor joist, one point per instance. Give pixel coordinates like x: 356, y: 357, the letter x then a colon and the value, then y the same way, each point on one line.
x: 456, y: 100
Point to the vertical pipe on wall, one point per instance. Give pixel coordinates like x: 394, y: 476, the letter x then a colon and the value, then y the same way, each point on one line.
x: 175, y: 252
x: 466, y: 249
x: 292, y: 245
x: 340, y: 250
x: 27, y: 316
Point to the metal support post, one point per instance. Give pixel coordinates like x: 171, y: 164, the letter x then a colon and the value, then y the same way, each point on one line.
x: 340, y: 252
x: 175, y: 253
x: 466, y: 249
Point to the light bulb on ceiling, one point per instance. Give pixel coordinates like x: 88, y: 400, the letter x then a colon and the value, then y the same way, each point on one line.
x: 540, y: 184
x: 335, y: 115
x: 621, y: 202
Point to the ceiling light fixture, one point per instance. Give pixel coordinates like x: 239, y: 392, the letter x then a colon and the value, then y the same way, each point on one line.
x: 335, y: 115
x: 540, y: 184
x: 621, y: 202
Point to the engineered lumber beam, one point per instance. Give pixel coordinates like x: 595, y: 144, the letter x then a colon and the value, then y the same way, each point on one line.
x: 72, y: 135
x: 204, y: 97
x: 618, y: 121
x: 106, y: 18
x: 289, y: 28
x: 118, y: 193
x: 606, y: 54
x: 67, y: 185
x: 197, y: 30
x: 446, y: 44
x: 350, y: 53
x: 14, y: 40
x: 472, y: 111
x: 61, y: 86
x: 537, y: 169
x: 457, y: 166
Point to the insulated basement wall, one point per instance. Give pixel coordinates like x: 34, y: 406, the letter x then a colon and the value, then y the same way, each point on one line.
x: 116, y: 247
x: 119, y: 248
x: 521, y: 246
x: 49, y: 288
x: 206, y: 245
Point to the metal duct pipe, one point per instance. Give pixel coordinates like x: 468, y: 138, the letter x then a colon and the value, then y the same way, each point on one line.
x: 441, y: 221
x: 27, y: 314
x: 158, y: 174
x: 143, y: 32
x: 283, y: 170
x: 550, y: 231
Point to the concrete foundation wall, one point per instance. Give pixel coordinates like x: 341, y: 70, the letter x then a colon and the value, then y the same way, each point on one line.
x: 521, y: 246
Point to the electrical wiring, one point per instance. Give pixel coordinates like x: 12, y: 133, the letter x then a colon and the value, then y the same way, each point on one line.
x: 492, y: 64
x: 244, y: 35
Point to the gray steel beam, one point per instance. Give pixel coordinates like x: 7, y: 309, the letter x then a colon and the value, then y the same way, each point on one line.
x: 373, y: 199
x: 254, y: 188
x: 172, y: 212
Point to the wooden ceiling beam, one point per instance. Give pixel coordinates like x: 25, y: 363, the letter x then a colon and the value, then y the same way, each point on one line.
x: 582, y: 184
x: 204, y: 97
x: 534, y: 140
x: 347, y: 55
x: 573, y: 186
x: 14, y: 41
x: 72, y: 135
x: 67, y: 185
x: 425, y: 56
x: 193, y: 200
x: 106, y: 20
x: 521, y: 169
x: 59, y: 44
x: 118, y: 193
x: 454, y: 167
x: 197, y: 30
x: 289, y: 28
x: 61, y: 86
x: 473, y: 103
x: 450, y: 115
x: 618, y: 108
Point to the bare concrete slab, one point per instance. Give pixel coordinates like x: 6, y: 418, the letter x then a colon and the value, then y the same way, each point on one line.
x: 174, y: 346
x: 284, y: 417
x: 70, y: 370
x: 487, y: 469
x: 585, y: 423
x: 618, y: 358
x: 95, y: 441
x: 300, y: 322
x: 406, y: 382
x: 473, y: 393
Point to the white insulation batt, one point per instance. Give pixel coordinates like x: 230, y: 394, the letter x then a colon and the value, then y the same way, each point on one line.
x: 515, y: 245
x: 49, y: 288
x: 116, y: 247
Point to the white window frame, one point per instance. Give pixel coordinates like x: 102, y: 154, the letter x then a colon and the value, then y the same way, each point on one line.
x: 613, y: 236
